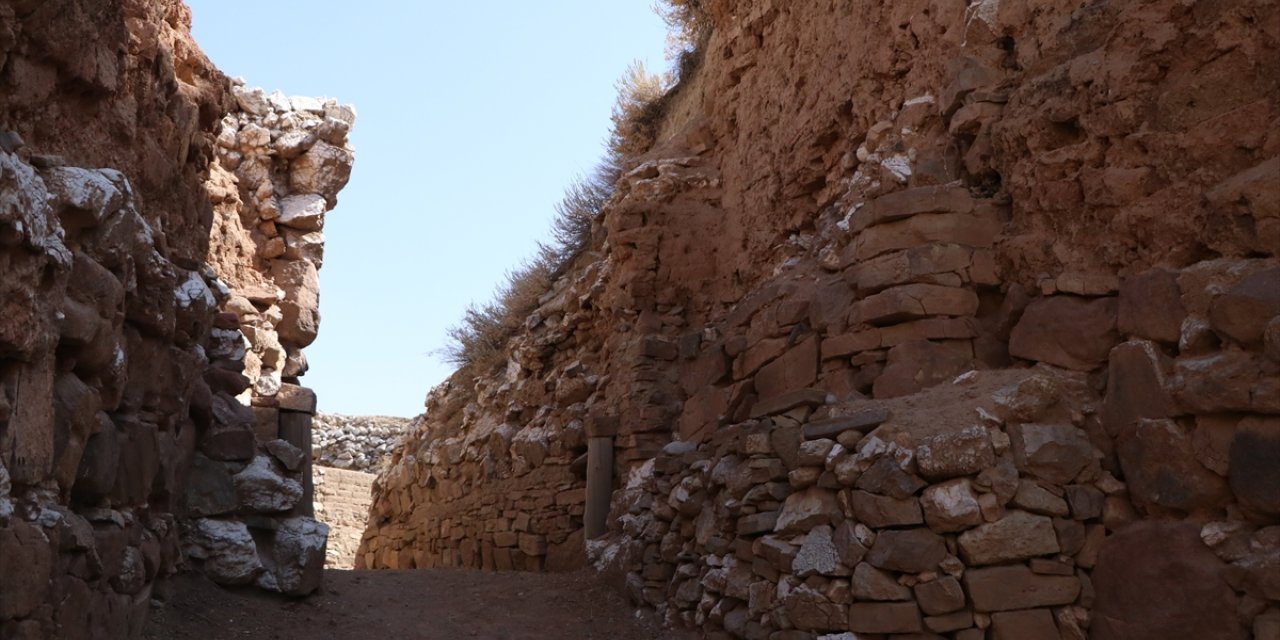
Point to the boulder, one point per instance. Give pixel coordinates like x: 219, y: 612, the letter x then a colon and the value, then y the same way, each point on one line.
x: 1161, y: 467
x: 262, y: 489
x: 940, y: 596
x: 817, y: 554
x: 870, y: 583
x: 809, y: 610
x: 226, y: 550
x: 297, y: 557
x: 1156, y: 580
x: 1066, y: 331
x: 1029, y: 624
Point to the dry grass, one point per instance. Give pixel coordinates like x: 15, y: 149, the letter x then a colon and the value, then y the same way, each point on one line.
x: 479, y: 342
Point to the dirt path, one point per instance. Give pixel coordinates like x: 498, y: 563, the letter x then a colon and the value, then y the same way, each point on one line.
x: 407, y: 605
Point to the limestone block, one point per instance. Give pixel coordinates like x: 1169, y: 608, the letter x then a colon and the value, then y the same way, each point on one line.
x: 226, y: 549
x: 262, y: 489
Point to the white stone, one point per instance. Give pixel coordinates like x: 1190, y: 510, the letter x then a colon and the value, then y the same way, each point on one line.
x: 84, y: 189
x: 305, y: 212
x: 305, y: 103
x: 227, y: 549
x: 817, y: 554
x: 252, y: 101
x: 260, y: 488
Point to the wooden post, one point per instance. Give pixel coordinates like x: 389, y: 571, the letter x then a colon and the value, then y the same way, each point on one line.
x: 599, y: 486
x: 295, y: 428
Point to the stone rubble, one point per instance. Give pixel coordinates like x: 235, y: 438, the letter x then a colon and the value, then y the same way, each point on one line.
x: 360, y: 443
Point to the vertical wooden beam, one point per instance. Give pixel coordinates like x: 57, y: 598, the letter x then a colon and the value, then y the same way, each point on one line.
x: 295, y: 428
x: 599, y: 486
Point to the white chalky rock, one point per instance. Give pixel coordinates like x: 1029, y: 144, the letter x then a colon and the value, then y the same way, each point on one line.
x: 305, y: 212
x: 230, y: 557
x: 260, y: 488
x: 84, y: 189
x: 817, y: 554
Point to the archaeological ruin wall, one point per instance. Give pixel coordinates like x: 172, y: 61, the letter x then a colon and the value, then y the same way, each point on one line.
x: 151, y: 320
x: 919, y: 320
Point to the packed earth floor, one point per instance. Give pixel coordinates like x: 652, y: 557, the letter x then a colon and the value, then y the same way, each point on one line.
x: 407, y: 605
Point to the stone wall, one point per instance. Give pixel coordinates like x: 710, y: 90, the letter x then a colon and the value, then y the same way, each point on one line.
x: 342, y: 503
x: 124, y: 451
x: 852, y: 206
x: 361, y: 443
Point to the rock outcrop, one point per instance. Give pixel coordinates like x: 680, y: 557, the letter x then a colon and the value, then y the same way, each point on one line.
x: 911, y: 321
x: 127, y: 449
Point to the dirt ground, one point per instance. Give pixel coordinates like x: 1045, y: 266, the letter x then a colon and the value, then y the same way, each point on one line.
x: 407, y: 605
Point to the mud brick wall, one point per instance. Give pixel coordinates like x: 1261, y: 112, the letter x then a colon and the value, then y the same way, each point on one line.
x: 342, y: 499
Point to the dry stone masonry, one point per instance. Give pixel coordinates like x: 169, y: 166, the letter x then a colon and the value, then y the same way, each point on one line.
x: 342, y: 503
x: 361, y: 443
x: 130, y: 444
x: 918, y: 321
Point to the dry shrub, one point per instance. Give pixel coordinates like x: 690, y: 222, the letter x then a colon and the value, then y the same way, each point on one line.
x: 642, y: 101
x: 479, y: 342
x: 688, y: 22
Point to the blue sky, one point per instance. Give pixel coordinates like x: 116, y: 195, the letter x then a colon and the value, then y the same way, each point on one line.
x: 473, y: 118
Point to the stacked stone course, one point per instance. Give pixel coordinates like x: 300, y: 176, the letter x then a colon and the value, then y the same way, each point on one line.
x: 127, y: 443
x: 342, y: 503
x: 362, y: 443
x: 872, y: 238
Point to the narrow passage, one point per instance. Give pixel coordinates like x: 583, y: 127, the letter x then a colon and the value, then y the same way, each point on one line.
x: 407, y: 605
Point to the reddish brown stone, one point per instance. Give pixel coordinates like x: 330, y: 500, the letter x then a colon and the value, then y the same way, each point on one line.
x: 880, y: 511
x: 907, y: 550
x: 1151, y: 306
x: 973, y: 230
x: 794, y: 370
x: 1066, y: 331
x: 917, y: 264
x: 885, y: 617
x: 1136, y: 387
x: 1030, y: 624
x: 1255, y: 464
x: 917, y: 365
x: 1243, y: 312
x: 914, y: 301
x: 1157, y: 581
x: 25, y: 564
x: 940, y: 596
x: 1012, y: 587
x: 1160, y: 465
x: 910, y: 202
